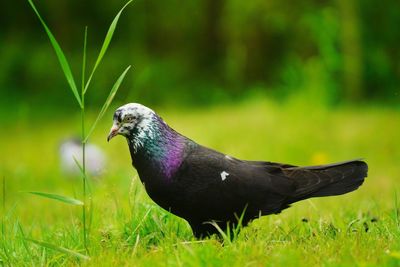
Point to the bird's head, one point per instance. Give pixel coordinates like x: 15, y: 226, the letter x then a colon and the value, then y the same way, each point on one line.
x: 129, y: 119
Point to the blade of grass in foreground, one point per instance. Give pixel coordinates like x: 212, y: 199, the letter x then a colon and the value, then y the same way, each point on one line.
x: 108, y: 102
x: 59, y: 249
x: 68, y: 200
x: 84, y: 65
x: 24, y: 243
x: 106, y: 42
x: 225, y: 235
x: 396, y: 210
x: 60, y: 55
x: 78, y: 164
x: 82, y: 172
x: 3, y: 202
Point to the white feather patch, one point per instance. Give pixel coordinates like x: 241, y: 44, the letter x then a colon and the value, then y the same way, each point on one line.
x: 224, y: 174
x: 228, y: 157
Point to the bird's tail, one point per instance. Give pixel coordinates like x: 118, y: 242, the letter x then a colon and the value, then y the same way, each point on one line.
x: 326, y: 180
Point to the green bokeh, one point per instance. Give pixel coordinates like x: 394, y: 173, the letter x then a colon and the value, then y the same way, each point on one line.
x: 207, y: 52
x: 306, y: 82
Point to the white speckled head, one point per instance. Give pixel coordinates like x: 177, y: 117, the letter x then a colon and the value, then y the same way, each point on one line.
x: 131, y: 116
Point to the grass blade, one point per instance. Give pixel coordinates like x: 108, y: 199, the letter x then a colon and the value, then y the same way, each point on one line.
x: 106, y: 43
x: 60, y: 55
x: 84, y: 61
x: 78, y: 164
x: 3, y: 207
x: 59, y: 249
x: 109, y: 99
x: 82, y: 172
x: 24, y: 239
x: 225, y: 235
x: 237, y: 228
x: 396, y: 210
x: 43, y: 258
x: 68, y: 200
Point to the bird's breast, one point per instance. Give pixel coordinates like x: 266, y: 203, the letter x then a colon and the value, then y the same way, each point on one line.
x: 162, y: 191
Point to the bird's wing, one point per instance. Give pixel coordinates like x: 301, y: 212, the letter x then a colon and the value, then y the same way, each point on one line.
x: 225, y: 185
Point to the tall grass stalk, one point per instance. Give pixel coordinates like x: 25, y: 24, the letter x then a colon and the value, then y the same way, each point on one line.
x: 3, y: 207
x: 80, y: 98
x: 83, y: 170
x: 396, y: 210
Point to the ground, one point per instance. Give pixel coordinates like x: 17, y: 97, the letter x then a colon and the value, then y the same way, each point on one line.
x: 127, y: 228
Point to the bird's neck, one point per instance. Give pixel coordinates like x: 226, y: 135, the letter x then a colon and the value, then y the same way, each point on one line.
x: 156, y: 149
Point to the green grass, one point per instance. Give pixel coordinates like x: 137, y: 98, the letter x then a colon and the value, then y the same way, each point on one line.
x: 128, y: 229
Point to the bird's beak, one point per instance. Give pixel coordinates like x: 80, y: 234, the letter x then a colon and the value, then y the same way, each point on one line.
x: 113, y: 132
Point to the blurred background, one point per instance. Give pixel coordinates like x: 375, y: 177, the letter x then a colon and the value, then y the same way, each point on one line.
x: 205, y: 52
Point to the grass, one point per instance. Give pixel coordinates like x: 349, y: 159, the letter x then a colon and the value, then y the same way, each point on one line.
x: 361, y: 228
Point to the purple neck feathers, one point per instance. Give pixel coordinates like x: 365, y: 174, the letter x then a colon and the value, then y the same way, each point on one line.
x: 161, y: 149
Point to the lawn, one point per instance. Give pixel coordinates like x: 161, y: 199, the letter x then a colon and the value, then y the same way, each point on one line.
x: 128, y: 229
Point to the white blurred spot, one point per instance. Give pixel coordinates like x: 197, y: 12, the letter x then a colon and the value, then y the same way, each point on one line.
x: 72, y: 148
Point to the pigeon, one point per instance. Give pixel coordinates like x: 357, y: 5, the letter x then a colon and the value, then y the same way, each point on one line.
x: 208, y: 188
x: 72, y: 147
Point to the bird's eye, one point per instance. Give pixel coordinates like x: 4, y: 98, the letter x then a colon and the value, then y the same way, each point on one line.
x: 129, y: 119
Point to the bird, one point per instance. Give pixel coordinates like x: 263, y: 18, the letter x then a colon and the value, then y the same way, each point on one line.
x: 71, y: 148
x: 212, y: 190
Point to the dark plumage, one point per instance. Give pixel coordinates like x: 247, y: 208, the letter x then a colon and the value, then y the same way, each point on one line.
x: 203, y: 185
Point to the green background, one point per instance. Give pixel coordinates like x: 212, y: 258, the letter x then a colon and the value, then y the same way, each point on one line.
x: 300, y: 82
x: 207, y: 52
